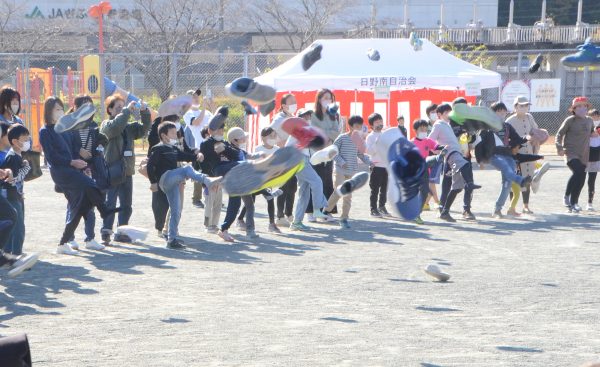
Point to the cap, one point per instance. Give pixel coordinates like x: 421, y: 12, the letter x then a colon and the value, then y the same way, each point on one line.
x: 303, y: 111
x: 522, y: 100
x: 236, y: 133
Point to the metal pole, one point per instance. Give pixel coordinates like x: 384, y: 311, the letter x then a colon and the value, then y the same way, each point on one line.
x: 519, y: 59
x: 579, y: 11
x: 405, y: 14
x: 511, y: 12
x: 584, y: 84
x: 101, y: 85
x: 173, y: 72
x: 245, y: 64
x: 543, y: 11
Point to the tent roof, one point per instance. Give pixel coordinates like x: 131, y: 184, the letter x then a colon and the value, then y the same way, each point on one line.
x: 344, y: 65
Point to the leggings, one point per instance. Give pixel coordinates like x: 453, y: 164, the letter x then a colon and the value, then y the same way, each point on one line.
x: 591, y: 185
x: 577, y: 179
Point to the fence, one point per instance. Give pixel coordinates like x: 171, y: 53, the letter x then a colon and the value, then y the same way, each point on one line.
x: 154, y: 77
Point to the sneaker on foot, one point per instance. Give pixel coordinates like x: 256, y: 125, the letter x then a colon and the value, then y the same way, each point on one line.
x: 74, y: 245
x: 344, y: 224
x: 419, y: 221
x: 283, y: 222
x: 93, y: 245
x: 273, y: 194
x: 299, y: 226
x: 76, y: 120
x: 447, y: 217
x: 577, y: 207
x: 226, y: 236
x: 105, y: 238
x: 375, y: 213
x: 240, y: 224
x: 356, y: 182
x: 467, y: 215
x: 251, y: 234
x: 527, y: 211
x: 426, y: 207
x: 567, y: 201
x: 175, y: 244
x: 198, y: 204
x: 513, y: 213
x: 498, y: 214
x: 537, y: 176
x: 324, y: 216
x: 65, y: 249
x: 24, y: 262
x: 383, y: 211
x: 590, y: 208
x: 273, y: 228
x: 311, y: 218
x: 311, y: 56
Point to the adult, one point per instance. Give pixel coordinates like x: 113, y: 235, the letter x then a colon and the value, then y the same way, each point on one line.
x: 573, y: 142
x: 120, y: 148
x: 523, y: 122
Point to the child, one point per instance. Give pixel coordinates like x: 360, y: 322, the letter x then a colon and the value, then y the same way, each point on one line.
x: 379, y: 177
x: 19, y: 139
x: 400, y: 121
x: 593, y: 166
x: 346, y: 165
x: 268, y: 147
x: 163, y: 172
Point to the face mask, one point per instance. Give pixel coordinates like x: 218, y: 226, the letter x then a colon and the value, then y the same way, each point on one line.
x: 596, y: 123
x: 378, y: 128
x: 172, y: 141
x: 433, y: 116
x: 325, y: 103
x: 14, y: 108
x: 581, y: 111
x: 292, y: 108
x: 242, y: 146
x: 26, y: 146
x: 421, y: 135
x: 56, y: 115
x: 271, y: 141
x: 218, y: 137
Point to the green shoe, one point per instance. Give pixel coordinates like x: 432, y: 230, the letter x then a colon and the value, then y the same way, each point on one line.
x: 299, y: 226
x: 419, y: 221
x: 344, y: 224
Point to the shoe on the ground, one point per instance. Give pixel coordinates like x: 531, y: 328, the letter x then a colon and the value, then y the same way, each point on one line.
x: 226, y: 236
x: 435, y: 272
x: 249, y: 89
x: 526, y: 181
x: 79, y: 119
x: 447, y: 217
x: 311, y: 218
x: 211, y: 229
x: 251, y: 234
x: 283, y: 222
x: 299, y: 226
x: 240, y: 224
x: 356, y: 182
x: 590, y: 208
x: 160, y: 234
x: 472, y: 185
x: 537, y: 177
x: 528, y: 211
x: 23, y: 263
x: 65, y: 249
x: 344, y: 224
x: 498, y: 214
x: 513, y: 213
x: 175, y: 244
x: 426, y: 207
x: 419, y: 221
x: 324, y: 155
x: 467, y: 215
x: 105, y: 237
x: 121, y: 237
x: 375, y: 213
x: 74, y: 245
x: 311, y: 56
x: 383, y: 211
x: 273, y: 194
x: 198, y: 204
x: 93, y: 245
x: 273, y: 228
x: 290, y: 219
x: 567, y: 201
x: 577, y: 207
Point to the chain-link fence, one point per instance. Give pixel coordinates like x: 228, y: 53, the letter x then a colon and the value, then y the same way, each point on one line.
x: 154, y: 77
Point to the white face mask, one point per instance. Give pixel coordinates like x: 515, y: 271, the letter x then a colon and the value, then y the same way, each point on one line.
x: 292, y: 108
x: 218, y: 137
x: 433, y: 116
x: 421, y: 135
x: 242, y: 146
x: 596, y: 123
x: 325, y: 103
x: 271, y: 141
x: 173, y: 141
x: 26, y: 146
x: 14, y: 108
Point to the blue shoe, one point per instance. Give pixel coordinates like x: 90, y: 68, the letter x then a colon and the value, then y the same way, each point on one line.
x: 588, y: 54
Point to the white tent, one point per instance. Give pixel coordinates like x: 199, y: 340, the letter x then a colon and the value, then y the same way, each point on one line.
x: 344, y: 65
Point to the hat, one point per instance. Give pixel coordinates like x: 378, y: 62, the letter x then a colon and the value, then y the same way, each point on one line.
x: 522, y: 100
x: 303, y: 111
x: 578, y: 101
x: 236, y: 133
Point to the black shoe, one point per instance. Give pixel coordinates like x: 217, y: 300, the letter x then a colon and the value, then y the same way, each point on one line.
x: 175, y: 244
x: 198, y: 204
x: 467, y: 215
x: 498, y: 214
x: 472, y: 186
x: 120, y: 237
x: 383, y: 211
x: 526, y: 181
x: 447, y: 217
x: 375, y: 213
x: 105, y: 238
x: 312, y: 56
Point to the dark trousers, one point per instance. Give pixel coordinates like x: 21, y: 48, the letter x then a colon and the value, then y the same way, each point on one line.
x: 285, y: 201
x: 270, y: 206
x: 7, y: 212
x: 160, y: 207
x: 233, y: 206
x: 577, y: 179
x: 591, y: 186
x: 124, y: 192
x: 14, y: 351
x: 445, y: 204
x: 325, y: 172
x: 378, y: 183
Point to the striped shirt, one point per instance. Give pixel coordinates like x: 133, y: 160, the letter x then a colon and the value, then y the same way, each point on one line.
x: 348, y: 153
x: 86, y: 139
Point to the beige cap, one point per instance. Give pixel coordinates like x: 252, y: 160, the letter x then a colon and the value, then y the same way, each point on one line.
x: 522, y: 100
x: 236, y: 133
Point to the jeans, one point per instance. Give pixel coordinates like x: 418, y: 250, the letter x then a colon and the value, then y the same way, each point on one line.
x: 90, y: 223
x: 308, y: 181
x: 7, y: 212
x: 17, y: 235
x: 169, y: 184
x: 508, y: 168
x: 233, y: 206
x: 124, y: 192
x: 378, y: 184
x: 285, y: 201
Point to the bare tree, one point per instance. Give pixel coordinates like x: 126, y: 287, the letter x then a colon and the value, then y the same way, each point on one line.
x: 299, y: 22
x: 173, y: 28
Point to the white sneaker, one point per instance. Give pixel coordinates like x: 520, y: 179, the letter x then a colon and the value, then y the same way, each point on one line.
x: 66, y: 249
x: 590, y: 208
x: 311, y: 218
x: 24, y: 262
x: 577, y: 208
x: 290, y: 219
x: 93, y: 245
x: 74, y: 245
x: 283, y: 222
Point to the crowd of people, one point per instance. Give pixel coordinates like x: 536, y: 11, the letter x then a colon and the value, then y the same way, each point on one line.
x: 93, y: 166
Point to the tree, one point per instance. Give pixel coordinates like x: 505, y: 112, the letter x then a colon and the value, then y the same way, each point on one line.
x: 564, y: 12
x: 173, y: 28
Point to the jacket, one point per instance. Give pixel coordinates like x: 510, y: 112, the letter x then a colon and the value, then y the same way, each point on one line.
x: 213, y: 159
x: 163, y: 158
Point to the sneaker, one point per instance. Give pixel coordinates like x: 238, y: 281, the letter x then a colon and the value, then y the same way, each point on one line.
x: 273, y: 194
x: 251, y: 234
x: 65, y: 249
x: 426, y: 207
x: 467, y: 215
x: 537, y: 176
x: 198, y: 204
x: 577, y: 208
x: 121, y: 237
x: 567, y: 201
x: 175, y: 244
x: 311, y: 56
x: 105, y: 237
x: 226, y: 236
x: 211, y: 229
x: 299, y: 226
x: 273, y: 228
x: 74, y: 245
x: 247, y: 88
x: 447, y: 217
x: 24, y: 262
x: 590, y: 208
x: 384, y: 211
x: 419, y: 221
x: 375, y: 213
x: 160, y: 234
x: 283, y: 222
x: 324, y: 155
x: 498, y: 214
x: 586, y: 55
x: 93, y: 245
x: 513, y: 213
x: 311, y: 218
x: 290, y: 219
x: 344, y: 224
x: 527, y: 211
x: 356, y: 182
x: 78, y: 119
x: 240, y: 224
x: 435, y: 272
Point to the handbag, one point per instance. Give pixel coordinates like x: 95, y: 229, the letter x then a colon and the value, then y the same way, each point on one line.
x: 34, y: 162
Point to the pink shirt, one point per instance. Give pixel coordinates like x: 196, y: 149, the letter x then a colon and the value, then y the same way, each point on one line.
x: 425, y: 146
